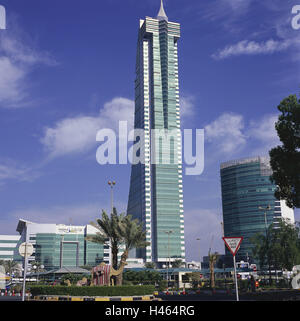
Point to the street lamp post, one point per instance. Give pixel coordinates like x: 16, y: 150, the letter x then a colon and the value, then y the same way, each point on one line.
x: 111, y: 184
x: 265, y: 209
x: 37, y: 268
x: 198, y: 239
x: 168, y: 265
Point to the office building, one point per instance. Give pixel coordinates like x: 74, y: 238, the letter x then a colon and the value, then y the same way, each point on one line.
x: 8, y: 245
x: 248, y: 201
x: 156, y: 192
x: 59, y: 245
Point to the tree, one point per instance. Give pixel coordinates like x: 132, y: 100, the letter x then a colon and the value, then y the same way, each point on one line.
x: 285, y: 159
x: 279, y: 248
x: 259, y: 248
x: 212, y: 261
x: 150, y: 265
x: 73, y: 278
x: 262, y: 249
x: 143, y: 277
x: 108, y: 230
x: 286, y: 243
x: 177, y: 263
x: 11, y: 266
x: 195, y: 278
x: 132, y: 233
x: 120, y: 230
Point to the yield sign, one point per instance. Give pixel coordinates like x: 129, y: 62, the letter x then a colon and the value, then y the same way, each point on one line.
x: 233, y: 243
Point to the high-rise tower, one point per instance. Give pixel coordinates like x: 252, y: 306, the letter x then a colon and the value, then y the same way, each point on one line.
x: 156, y: 194
x: 249, y: 204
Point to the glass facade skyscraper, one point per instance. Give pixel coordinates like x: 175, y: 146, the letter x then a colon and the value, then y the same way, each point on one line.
x: 156, y: 193
x: 246, y: 186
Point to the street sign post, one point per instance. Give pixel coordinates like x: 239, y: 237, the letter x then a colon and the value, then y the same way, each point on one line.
x: 233, y: 245
x: 25, y: 250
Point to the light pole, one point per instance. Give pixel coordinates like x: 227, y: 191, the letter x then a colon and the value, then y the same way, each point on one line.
x: 111, y: 184
x: 198, y: 239
x: 168, y: 265
x: 37, y: 268
x: 222, y: 228
x: 265, y: 209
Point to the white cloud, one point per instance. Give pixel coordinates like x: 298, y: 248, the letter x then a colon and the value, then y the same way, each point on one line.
x: 246, y: 47
x: 11, y: 82
x: 10, y: 170
x: 230, y: 135
x: 18, y: 57
x: 264, y: 129
x: 238, y: 4
x: 78, y: 134
x: 264, y: 132
x: 12, y: 45
x: 187, y: 106
x: 226, y: 133
x: 71, y: 135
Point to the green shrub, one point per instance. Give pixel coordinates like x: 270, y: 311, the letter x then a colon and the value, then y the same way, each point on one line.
x: 162, y: 285
x: 91, y: 290
x: 73, y: 278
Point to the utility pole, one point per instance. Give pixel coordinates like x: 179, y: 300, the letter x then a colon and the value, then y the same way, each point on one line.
x: 111, y: 184
x: 265, y: 209
x: 198, y: 239
x: 222, y: 229
x: 168, y: 265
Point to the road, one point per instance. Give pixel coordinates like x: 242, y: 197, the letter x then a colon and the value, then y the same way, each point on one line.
x: 10, y: 298
x: 264, y: 296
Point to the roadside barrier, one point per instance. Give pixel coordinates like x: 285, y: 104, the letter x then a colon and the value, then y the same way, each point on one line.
x: 81, y: 299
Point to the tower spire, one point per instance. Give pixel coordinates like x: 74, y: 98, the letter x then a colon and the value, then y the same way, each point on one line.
x: 162, y: 14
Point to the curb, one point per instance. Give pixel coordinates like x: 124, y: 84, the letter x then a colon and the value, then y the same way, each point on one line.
x: 93, y: 299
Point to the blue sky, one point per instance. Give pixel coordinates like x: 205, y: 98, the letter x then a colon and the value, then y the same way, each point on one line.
x: 67, y: 69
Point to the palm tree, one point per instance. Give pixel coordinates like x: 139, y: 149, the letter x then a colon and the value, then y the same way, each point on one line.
x: 177, y: 263
x: 212, y: 261
x: 133, y: 235
x: 11, y: 266
x: 150, y: 265
x: 108, y: 230
x: 119, y: 230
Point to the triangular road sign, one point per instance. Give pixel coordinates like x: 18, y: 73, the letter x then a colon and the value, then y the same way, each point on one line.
x: 233, y: 243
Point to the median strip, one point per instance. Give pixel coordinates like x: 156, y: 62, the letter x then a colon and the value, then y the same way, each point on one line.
x: 113, y: 299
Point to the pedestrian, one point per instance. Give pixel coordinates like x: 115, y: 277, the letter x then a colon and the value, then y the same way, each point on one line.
x: 252, y: 283
x: 248, y: 283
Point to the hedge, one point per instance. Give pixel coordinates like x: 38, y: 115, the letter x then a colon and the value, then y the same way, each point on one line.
x: 91, y: 290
